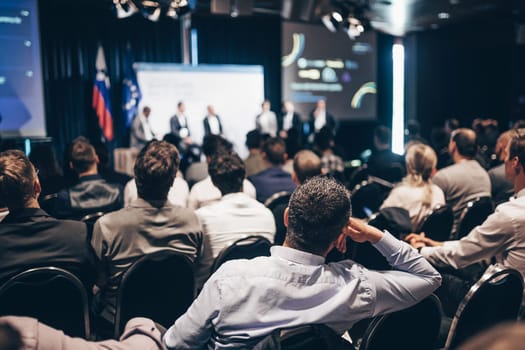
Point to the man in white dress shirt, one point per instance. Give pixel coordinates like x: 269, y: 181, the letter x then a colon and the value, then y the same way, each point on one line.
x: 245, y: 300
x: 266, y: 122
x: 233, y: 217
x: 501, y: 235
x: 212, y: 122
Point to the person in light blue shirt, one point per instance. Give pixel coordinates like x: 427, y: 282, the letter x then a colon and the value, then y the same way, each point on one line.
x: 245, y: 300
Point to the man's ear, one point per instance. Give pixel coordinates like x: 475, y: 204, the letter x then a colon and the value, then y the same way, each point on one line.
x: 285, y: 217
x: 37, y: 188
x: 263, y: 155
x: 96, y: 159
x: 71, y: 165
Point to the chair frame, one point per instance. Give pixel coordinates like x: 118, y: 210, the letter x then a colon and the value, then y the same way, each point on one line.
x: 225, y: 251
x: 465, y: 211
x: 486, y: 278
x: 377, y: 322
x: 130, y: 270
x: 274, y: 197
x: 59, y: 272
x: 88, y: 217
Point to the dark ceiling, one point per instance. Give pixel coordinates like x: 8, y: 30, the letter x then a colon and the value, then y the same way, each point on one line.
x: 395, y: 17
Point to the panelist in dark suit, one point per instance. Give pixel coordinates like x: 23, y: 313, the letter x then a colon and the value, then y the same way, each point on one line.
x: 212, y: 123
x: 320, y: 118
x: 289, y: 119
x: 179, y: 125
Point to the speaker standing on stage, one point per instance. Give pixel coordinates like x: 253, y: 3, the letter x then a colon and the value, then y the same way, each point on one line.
x: 140, y: 131
x: 212, y: 123
x: 179, y: 124
x: 266, y: 122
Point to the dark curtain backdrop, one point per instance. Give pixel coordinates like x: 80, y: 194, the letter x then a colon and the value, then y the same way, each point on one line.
x: 243, y: 40
x: 469, y: 70
x: 70, y: 32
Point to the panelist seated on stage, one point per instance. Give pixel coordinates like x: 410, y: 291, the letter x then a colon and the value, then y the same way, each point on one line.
x: 92, y: 193
x: 30, y: 237
x: 245, y: 300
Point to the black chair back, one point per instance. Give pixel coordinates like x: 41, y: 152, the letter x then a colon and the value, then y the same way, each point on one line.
x: 438, y: 224
x: 49, y: 202
x: 495, y: 298
x: 90, y: 220
x: 244, y: 248
x: 159, y: 286
x: 389, y: 331
x: 474, y: 214
x: 54, y: 296
x: 312, y: 337
x: 277, y: 199
x: 367, y: 197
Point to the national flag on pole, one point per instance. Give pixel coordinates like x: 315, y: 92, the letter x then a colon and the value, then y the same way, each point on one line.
x: 131, y: 94
x: 101, y: 102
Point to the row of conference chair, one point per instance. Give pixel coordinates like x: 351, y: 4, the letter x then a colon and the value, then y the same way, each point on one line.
x: 58, y: 298
x: 159, y: 286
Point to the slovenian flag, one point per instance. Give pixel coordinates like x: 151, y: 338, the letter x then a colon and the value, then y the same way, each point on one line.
x: 101, y: 102
x: 131, y: 95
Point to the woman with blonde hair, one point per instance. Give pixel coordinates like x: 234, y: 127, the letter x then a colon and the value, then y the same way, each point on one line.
x: 416, y: 193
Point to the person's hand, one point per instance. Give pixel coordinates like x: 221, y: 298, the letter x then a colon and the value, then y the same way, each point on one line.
x: 420, y: 240
x: 361, y: 232
x: 187, y: 140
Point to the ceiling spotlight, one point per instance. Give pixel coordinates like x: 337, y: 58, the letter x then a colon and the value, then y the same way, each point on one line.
x: 332, y: 21
x: 443, y: 15
x: 151, y: 10
x: 124, y: 8
x: 354, y: 27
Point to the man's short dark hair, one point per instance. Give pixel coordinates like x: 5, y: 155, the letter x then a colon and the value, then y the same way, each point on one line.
x: 275, y: 149
x: 383, y: 135
x: 306, y: 164
x: 212, y: 144
x: 10, y: 338
x: 253, y: 139
x: 465, y: 140
x: 155, y: 169
x: 517, y: 146
x: 17, y: 177
x: 227, y: 172
x: 317, y: 212
x: 83, y: 154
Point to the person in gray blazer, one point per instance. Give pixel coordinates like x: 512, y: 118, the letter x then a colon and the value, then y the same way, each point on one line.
x: 140, y: 131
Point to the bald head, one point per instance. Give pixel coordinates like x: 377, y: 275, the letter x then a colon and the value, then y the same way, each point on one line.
x: 306, y: 164
x: 463, y: 142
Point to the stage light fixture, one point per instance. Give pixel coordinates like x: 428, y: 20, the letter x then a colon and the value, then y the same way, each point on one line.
x: 354, y: 27
x: 124, y: 8
x: 151, y: 10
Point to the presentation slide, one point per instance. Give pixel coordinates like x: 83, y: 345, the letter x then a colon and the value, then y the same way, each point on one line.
x: 21, y: 95
x: 318, y: 64
x: 236, y: 92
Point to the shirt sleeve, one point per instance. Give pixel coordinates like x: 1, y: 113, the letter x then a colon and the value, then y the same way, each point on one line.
x: 193, y: 329
x: 483, y: 242
x: 411, y: 280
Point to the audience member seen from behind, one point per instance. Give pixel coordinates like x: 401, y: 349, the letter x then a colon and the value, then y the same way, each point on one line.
x: 416, y: 193
x: 254, y: 163
x: 501, y: 187
x: 507, y: 336
x: 105, y: 169
x: 234, y: 216
x: 92, y: 193
x: 25, y: 333
x: 465, y: 179
x: 331, y: 163
x: 205, y: 192
x: 29, y: 237
x: 49, y: 172
x: 500, y: 237
x: 245, y: 300
x: 306, y: 164
x: 382, y: 162
x: 149, y: 224
x: 274, y: 179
